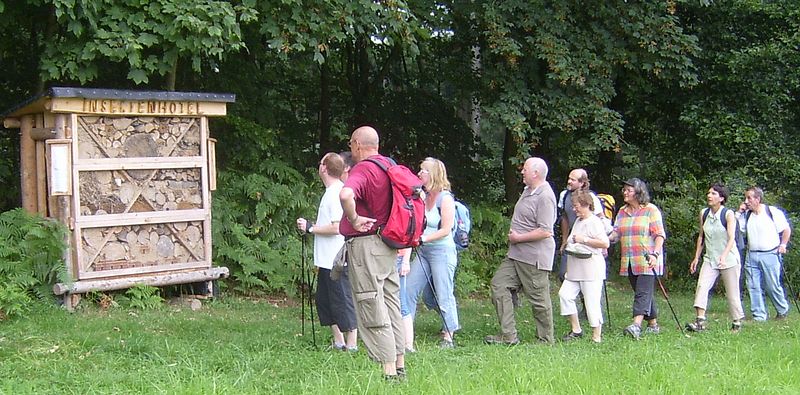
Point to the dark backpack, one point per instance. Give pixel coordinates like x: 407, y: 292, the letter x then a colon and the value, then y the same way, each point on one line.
x: 407, y: 217
x: 740, y: 245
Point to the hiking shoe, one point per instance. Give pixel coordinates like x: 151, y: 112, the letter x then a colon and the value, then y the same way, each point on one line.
x: 394, y: 378
x: 633, y: 331
x: 698, y: 325
x: 780, y: 317
x: 652, y: 329
x: 401, y: 372
x: 446, y: 344
x: 572, y: 336
x: 501, y: 339
x: 736, y: 326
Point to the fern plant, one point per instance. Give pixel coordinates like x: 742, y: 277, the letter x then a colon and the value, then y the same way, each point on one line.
x: 142, y: 297
x: 31, y: 249
x: 254, y: 227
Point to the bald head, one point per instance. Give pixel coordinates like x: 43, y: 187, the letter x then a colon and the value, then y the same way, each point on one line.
x: 366, y: 136
x: 364, y: 143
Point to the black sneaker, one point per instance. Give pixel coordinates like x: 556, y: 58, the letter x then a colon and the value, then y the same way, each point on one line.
x: 572, y: 336
x: 736, y: 326
x: 780, y: 317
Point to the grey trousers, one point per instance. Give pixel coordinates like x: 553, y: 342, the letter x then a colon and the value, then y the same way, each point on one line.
x: 533, y: 283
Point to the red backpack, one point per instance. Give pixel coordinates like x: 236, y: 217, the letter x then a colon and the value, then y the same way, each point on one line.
x: 407, y: 218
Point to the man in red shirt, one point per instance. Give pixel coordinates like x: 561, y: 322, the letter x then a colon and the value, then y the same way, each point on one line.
x: 366, y: 199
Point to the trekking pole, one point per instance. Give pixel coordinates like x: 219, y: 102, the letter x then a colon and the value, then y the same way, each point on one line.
x: 312, y: 275
x: 435, y: 298
x: 302, y: 284
x: 608, y: 312
x: 788, y: 283
x: 664, y: 292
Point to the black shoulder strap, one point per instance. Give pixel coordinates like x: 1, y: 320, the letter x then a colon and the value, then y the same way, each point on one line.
x: 377, y: 162
x: 723, y: 218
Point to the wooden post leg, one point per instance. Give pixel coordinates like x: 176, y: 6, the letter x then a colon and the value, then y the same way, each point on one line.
x: 71, y: 301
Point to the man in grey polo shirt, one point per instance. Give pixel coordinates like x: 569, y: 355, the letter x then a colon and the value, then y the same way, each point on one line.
x: 527, y: 265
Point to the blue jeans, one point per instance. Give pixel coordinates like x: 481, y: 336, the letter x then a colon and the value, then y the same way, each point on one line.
x: 403, y: 308
x: 764, y: 268
x: 437, y: 263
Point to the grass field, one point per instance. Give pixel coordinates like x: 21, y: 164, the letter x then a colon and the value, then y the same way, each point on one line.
x: 236, y: 345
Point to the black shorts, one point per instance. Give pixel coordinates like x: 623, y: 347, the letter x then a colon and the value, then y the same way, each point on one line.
x: 335, y: 301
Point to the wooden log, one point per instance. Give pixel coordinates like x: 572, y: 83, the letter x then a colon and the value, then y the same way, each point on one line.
x: 11, y: 123
x: 41, y: 178
x: 27, y: 165
x: 84, y: 286
x: 41, y: 134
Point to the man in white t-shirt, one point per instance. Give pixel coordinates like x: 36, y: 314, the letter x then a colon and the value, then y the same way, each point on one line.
x: 334, y: 298
x: 768, y: 233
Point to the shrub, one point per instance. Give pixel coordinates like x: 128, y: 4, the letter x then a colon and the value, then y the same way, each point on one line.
x: 488, y: 246
x: 31, y: 249
x: 254, y: 227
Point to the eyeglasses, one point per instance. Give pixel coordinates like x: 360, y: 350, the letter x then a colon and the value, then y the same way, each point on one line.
x: 628, y: 190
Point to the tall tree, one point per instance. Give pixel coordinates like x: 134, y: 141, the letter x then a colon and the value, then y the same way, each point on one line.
x: 87, y: 40
x: 551, y: 68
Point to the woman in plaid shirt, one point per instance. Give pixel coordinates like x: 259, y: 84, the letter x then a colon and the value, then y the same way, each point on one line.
x: 640, y: 232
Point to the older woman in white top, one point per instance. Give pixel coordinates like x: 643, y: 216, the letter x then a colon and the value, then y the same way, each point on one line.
x: 586, y: 268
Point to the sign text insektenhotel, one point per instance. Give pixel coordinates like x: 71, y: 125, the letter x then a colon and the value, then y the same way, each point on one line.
x: 148, y: 107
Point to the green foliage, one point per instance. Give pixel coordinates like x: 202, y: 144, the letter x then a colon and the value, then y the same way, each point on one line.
x: 680, y: 205
x: 142, y: 297
x: 253, y: 225
x: 14, y: 301
x: 149, y: 37
x: 488, y: 246
x: 30, y: 259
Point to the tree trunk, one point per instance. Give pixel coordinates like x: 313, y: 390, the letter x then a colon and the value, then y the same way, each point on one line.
x: 171, y: 77
x: 510, y: 174
x: 325, y: 144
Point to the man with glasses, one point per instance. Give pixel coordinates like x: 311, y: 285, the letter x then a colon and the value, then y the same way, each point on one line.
x: 366, y: 200
x: 529, y: 260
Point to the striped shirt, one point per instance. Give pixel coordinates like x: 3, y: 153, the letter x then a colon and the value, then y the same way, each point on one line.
x: 638, y: 230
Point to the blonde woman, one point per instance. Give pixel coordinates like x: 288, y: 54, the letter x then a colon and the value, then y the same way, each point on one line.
x: 433, y: 269
x: 586, y: 268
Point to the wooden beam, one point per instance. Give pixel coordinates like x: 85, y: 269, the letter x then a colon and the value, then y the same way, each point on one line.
x: 143, y: 270
x: 160, y: 217
x: 187, y: 162
x: 151, y: 108
x: 80, y: 287
x: 27, y: 165
x: 11, y: 123
x: 40, y: 134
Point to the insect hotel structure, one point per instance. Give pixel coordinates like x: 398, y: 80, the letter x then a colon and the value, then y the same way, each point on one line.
x: 130, y: 173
